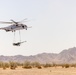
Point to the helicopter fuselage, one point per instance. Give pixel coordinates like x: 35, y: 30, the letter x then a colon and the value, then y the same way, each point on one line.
x: 14, y: 28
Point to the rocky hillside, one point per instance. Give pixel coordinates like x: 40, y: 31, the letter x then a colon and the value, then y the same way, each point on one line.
x: 66, y: 56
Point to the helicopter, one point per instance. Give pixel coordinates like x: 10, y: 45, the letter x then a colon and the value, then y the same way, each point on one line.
x: 15, y: 26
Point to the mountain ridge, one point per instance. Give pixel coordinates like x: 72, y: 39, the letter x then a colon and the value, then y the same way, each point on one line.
x: 65, y: 56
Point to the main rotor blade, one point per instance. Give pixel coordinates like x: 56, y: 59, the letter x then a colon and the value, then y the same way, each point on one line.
x: 13, y: 21
x: 23, y: 20
x: 6, y: 22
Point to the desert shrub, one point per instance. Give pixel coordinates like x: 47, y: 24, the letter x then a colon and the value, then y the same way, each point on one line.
x: 1, y: 64
x: 54, y: 65
x: 36, y: 64
x: 19, y: 63
x: 5, y: 65
x: 73, y: 65
x: 65, y: 65
x: 47, y: 65
x: 27, y: 65
x: 62, y: 65
x: 39, y: 67
x: 13, y: 65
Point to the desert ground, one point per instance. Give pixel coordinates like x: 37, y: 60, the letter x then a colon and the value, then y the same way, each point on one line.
x: 43, y: 71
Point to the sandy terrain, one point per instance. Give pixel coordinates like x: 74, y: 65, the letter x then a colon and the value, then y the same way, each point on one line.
x: 35, y: 71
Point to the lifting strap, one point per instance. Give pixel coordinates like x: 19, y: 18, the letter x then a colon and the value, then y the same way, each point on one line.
x: 20, y: 36
x: 17, y: 43
x: 14, y: 39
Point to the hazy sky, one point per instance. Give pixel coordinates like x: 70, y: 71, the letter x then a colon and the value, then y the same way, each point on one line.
x: 53, y: 26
